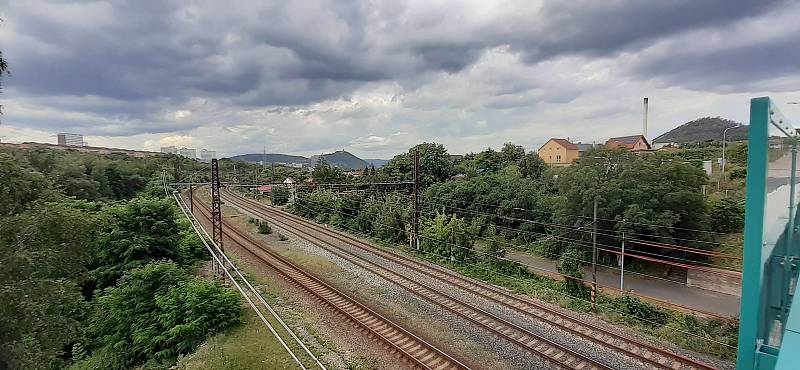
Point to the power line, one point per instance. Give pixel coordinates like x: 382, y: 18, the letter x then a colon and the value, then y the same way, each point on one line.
x: 610, y: 308
x: 572, y: 215
x: 194, y: 222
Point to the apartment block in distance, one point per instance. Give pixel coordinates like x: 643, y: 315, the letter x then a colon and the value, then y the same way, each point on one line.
x: 188, y: 152
x: 207, y: 155
x: 65, y: 139
x: 169, y: 150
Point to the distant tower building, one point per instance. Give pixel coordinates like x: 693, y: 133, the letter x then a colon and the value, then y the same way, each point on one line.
x: 169, y: 150
x: 207, y: 155
x: 188, y: 152
x: 66, y: 139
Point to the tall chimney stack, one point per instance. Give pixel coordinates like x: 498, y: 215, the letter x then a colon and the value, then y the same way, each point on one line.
x: 644, y: 121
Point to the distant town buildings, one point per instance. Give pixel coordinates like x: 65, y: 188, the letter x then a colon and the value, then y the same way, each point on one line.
x: 66, y: 139
x: 169, y: 150
x: 188, y: 152
x: 207, y: 155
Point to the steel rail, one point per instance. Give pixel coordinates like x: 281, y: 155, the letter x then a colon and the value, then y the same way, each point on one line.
x: 623, y: 344
x: 416, y: 350
x: 549, y: 350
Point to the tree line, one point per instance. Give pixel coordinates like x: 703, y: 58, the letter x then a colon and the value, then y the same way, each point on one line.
x: 98, y: 270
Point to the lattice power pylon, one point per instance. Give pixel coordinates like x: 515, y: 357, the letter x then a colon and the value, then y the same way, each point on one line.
x: 216, y: 210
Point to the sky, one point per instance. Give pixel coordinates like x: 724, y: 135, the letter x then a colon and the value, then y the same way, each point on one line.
x: 376, y: 77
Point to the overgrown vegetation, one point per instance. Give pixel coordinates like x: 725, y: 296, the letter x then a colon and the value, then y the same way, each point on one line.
x: 511, y: 199
x: 98, y: 277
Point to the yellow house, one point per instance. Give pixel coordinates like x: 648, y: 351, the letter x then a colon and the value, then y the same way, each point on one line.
x: 559, y: 152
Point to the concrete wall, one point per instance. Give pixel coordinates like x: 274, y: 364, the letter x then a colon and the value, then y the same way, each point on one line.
x: 724, y: 282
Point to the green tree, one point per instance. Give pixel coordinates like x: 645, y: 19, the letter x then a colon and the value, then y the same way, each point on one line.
x: 727, y: 215
x: 143, y: 230
x: 20, y: 186
x: 44, y: 252
x: 449, y: 237
x: 157, y: 312
x: 569, y: 264
x: 435, y: 165
x: 279, y: 195
x: 327, y: 174
x: 532, y: 166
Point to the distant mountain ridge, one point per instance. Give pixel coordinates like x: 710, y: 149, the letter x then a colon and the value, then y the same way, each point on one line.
x: 340, y: 159
x: 703, y: 129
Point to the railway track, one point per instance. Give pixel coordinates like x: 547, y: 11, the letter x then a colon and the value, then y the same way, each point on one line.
x: 627, y: 346
x: 553, y: 352
x: 418, y: 352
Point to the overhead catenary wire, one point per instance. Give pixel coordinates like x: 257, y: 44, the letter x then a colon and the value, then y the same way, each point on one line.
x: 573, y: 215
x: 195, y: 224
x: 585, y: 243
x: 613, y: 233
x: 609, y: 308
x: 514, y: 261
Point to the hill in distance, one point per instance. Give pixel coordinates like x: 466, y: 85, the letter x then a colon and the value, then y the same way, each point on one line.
x: 703, y: 129
x: 378, y: 163
x: 340, y: 159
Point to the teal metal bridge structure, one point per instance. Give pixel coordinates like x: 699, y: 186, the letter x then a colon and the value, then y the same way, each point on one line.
x: 769, y: 328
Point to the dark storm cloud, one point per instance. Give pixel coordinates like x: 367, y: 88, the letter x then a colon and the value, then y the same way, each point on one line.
x: 603, y: 27
x: 159, y: 54
x: 752, y: 67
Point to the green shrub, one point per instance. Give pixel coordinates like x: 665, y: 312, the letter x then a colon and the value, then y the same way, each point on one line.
x: 726, y: 215
x: 158, y: 312
x: 279, y: 195
x: 282, y: 237
x: 641, y: 311
x: 264, y: 227
x: 739, y: 173
x: 570, y: 266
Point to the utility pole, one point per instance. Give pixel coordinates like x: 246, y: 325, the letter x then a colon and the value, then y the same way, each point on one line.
x: 622, y: 261
x: 191, y: 198
x: 216, y: 211
x: 415, y: 215
x: 594, y: 257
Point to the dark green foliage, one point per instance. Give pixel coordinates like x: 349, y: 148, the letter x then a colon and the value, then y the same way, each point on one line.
x: 264, y: 227
x: 158, y: 311
x: 324, y: 173
x: 449, y: 237
x: 19, y: 186
x: 727, y: 215
x: 642, y: 312
x: 90, y: 176
x: 570, y: 265
x: 435, y: 165
x: 738, y: 173
x: 143, y: 230
x: 282, y: 237
x: 44, y: 252
x: 279, y: 195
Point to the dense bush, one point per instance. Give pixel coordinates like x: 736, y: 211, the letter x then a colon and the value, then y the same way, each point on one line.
x: 449, y: 237
x: 158, y: 311
x: 279, y: 195
x: 727, y: 215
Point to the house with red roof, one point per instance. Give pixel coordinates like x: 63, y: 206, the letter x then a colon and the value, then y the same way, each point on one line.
x: 632, y: 143
x: 560, y: 152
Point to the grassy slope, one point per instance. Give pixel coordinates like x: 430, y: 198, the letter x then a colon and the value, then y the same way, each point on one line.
x: 249, y: 346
